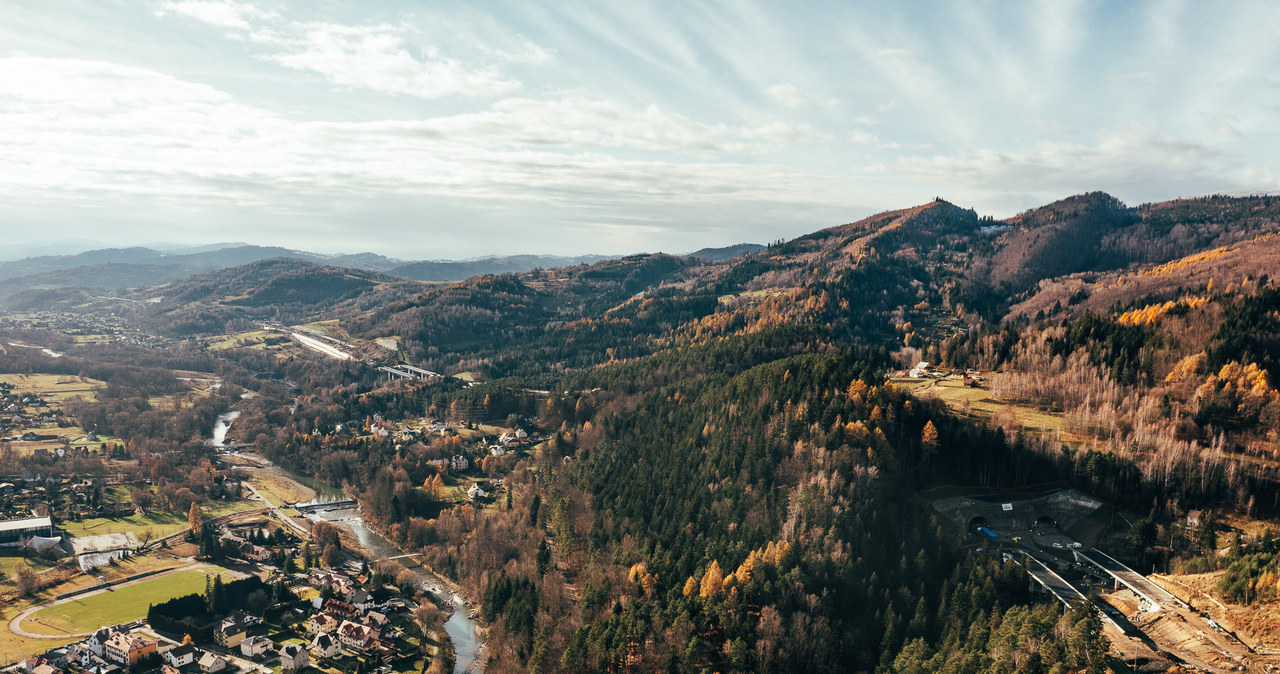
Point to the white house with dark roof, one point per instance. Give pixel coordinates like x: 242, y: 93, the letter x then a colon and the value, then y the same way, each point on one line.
x: 255, y: 646
x: 324, y: 646
x: 293, y: 657
x: 180, y: 656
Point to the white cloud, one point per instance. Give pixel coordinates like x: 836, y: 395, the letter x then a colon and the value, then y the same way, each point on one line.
x: 104, y: 128
x: 1135, y: 161
x: 864, y: 138
x: 223, y: 13
x: 382, y: 57
x: 377, y: 58
x: 789, y: 95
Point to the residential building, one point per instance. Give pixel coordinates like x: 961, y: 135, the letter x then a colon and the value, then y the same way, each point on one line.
x: 229, y: 633
x: 212, y: 662
x: 354, y: 636
x: 322, y: 623
x: 324, y: 646
x: 293, y: 658
x: 180, y: 656
x: 98, y: 640
x: 126, y: 649
x: 255, y: 646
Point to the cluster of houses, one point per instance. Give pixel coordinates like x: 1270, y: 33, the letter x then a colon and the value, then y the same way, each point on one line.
x: 350, y: 621
x: 345, y: 620
x: 39, y: 492
x: 509, y: 441
x: 110, y: 649
x: 926, y: 370
x: 107, y: 324
x: 19, y: 411
x: 456, y: 464
x: 248, y: 550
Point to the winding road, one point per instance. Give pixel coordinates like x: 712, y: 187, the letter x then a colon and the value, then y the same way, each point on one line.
x: 15, y: 625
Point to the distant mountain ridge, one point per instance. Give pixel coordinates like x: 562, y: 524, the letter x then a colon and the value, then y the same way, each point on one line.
x: 727, y: 252
x: 451, y: 270
x: 135, y: 267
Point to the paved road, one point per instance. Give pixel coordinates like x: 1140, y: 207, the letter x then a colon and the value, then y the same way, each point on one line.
x: 1064, y: 591
x: 281, y: 516
x: 1134, y: 580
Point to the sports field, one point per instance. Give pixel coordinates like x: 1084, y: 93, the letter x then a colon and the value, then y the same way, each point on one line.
x: 115, y: 606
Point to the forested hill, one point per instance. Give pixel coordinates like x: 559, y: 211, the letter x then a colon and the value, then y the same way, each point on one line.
x: 725, y: 477
x: 723, y: 485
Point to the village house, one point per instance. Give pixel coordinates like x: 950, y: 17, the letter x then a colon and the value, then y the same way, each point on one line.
x: 46, y: 668
x: 341, y: 609
x: 324, y: 646
x: 255, y: 646
x: 360, y: 599
x: 229, y: 633
x: 293, y: 658
x: 246, y: 619
x: 78, y: 654
x: 98, y: 641
x: 322, y: 623
x: 376, y: 619
x: 180, y: 656
x: 354, y: 636
x: 127, y: 649
x: 212, y: 662
x: 474, y: 492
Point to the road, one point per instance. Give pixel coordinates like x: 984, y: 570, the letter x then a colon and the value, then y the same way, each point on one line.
x: 1064, y: 591
x: 1132, y: 579
x: 15, y: 625
x: 1178, y: 630
x: 275, y: 509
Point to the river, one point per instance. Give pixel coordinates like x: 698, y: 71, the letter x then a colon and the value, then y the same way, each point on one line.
x: 221, y: 426
x: 467, y: 637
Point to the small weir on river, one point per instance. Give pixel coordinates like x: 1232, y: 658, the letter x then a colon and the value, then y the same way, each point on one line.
x: 331, y: 505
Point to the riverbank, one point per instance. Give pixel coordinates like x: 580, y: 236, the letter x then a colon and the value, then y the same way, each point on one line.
x: 466, y: 629
x: 362, y: 539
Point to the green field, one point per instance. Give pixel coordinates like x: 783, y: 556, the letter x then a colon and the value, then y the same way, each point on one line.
x: 115, y: 606
x: 10, y: 563
x: 160, y: 523
x: 978, y: 403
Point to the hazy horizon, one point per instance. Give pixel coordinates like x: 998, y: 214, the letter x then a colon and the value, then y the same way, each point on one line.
x: 457, y: 132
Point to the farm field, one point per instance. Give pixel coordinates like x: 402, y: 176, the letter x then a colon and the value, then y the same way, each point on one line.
x: 279, y: 491
x: 116, y: 605
x: 160, y: 523
x: 978, y: 403
x: 55, y: 390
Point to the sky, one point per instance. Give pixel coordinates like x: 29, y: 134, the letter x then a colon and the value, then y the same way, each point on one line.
x: 446, y: 130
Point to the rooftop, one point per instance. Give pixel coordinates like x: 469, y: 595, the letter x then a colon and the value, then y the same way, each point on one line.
x: 26, y: 523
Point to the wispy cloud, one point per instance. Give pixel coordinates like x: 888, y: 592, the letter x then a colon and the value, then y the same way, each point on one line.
x: 131, y: 130
x: 223, y: 13
x: 381, y: 57
x: 377, y: 58
x: 793, y: 96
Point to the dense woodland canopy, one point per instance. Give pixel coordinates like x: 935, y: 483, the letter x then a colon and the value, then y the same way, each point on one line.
x: 726, y: 481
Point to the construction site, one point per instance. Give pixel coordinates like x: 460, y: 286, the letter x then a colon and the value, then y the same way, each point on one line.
x: 1061, y: 536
